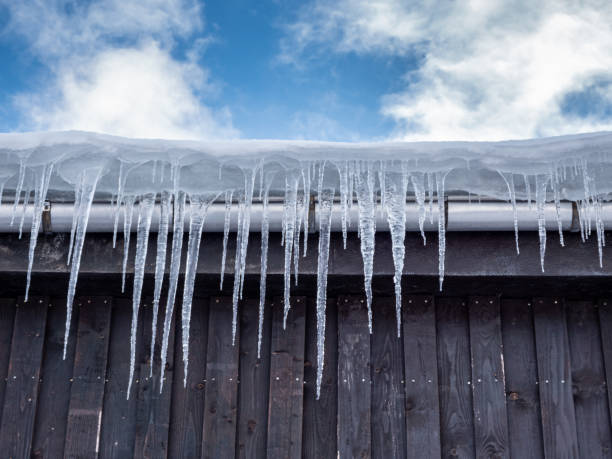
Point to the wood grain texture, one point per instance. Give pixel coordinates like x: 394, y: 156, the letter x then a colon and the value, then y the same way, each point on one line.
x: 555, y: 379
x: 521, y: 371
x: 21, y: 393
x: 354, y: 379
x: 221, y: 399
x: 388, y: 397
x: 54, y: 389
x: 187, y: 411
x: 489, y: 398
x: 285, y: 403
x: 421, y: 377
x: 588, y: 380
x: 254, y: 380
x: 7, y: 319
x: 89, y: 373
x: 455, y: 378
x: 320, y: 416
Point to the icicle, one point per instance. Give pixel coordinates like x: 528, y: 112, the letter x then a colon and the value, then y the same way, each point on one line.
x: 599, y: 227
x: 90, y: 181
x: 367, y: 229
x: 226, y: 227
x: 306, y: 179
x: 199, y: 207
x: 265, y: 232
x: 120, y: 186
x: 440, y: 177
x: 242, y: 241
x: 344, y: 198
x: 299, y: 208
x: 128, y: 212
x: 557, y: 198
x: 175, y: 264
x: 512, y: 197
x: 145, y: 214
x: 419, y: 196
x: 22, y: 171
x: 395, y: 206
x: 527, y: 190
x: 78, y: 197
x: 43, y: 177
x: 326, y: 201
x: 541, y: 184
x: 160, y: 265
x: 24, y: 208
x: 162, y: 172
x: 430, y: 187
x: 289, y: 216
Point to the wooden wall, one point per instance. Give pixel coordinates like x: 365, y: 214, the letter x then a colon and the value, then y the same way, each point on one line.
x: 470, y: 377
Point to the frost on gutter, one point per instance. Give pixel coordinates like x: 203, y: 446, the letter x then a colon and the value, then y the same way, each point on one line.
x: 185, y: 177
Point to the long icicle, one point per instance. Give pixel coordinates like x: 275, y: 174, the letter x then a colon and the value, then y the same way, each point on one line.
x: 128, y: 213
x: 226, y: 227
x: 145, y: 214
x: 367, y: 230
x: 198, y: 205
x: 265, y: 232
x: 289, y: 217
x: 512, y: 195
x: 326, y: 201
x: 160, y: 265
x: 89, y: 189
x: 20, y: 180
x: 43, y: 177
x: 440, y: 177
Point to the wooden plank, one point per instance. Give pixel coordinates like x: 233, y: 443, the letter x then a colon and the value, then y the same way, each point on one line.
x: 388, y: 398
x: 320, y: 416
x: 54, y: 389
x: 187, y: 410
x: 455, y: 378
x: 555, y: 379
x: 7, y: 319
x: 285, y: 403
x: 153, y: 407
x: 489, y: 398
x: 421, y: 377
x: 119, y: 413
x: 221, y: 398
x: 354, y: 379
x: 254, y: 379
x: 522, y: 396
x: 605, y: 326
x: 21, y: 393
x: 588, y: 380
x: 89, y: 373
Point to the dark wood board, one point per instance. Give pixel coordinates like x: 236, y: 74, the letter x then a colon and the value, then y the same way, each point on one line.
x: 7, y: 319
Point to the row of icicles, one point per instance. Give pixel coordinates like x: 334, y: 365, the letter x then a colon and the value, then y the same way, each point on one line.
x: 372, y: 189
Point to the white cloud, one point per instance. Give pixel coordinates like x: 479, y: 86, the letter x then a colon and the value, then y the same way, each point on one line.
x: 114, y: 71
x: 491, y: 70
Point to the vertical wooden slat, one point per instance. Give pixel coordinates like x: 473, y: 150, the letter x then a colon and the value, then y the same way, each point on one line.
x: 388, y: 402
x: 21, y: 393
x: 588, y: 380
x: 354, y: 384
x: 153, y: 407
x: 455, y: 378
x: 489, y: 398
x: 89, y: 373
x: 187, y: 410
x: 421, y: 378
x: 221, y: 399
x: 320, y: 416
x: 286, y: 381
x: 54, y: 389
x: 7, y: 319
x: 522, y: 396
x: 555, y: 380
x: 118, y: 414
x: 254, y: 380
x: 605, y: 326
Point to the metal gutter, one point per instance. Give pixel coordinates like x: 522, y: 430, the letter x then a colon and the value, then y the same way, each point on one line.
x: 461, y: 216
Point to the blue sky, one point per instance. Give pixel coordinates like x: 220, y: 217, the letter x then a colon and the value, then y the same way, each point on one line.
x: 332, y: 70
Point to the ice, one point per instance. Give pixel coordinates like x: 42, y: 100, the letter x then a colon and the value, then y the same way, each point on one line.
x: 160, y: 265
x: 226, y: 227
x: 198, y: 205
x: 541, y: 186
x: 326, y: 199
x: 512, y: 196
x: 128, y: 213
x: 418, y: 185
x: 22, y: 171
x: 440, y: 177
x: 263, y: 268
x: 395, y: 206
x: 307, y: 179
x: 145, y: 214
x: 343, y: 172
x: 89, y: 180
x: 289, y: 219
x: 24, y: 208
x: 297, y: 231
x: 78, y: 196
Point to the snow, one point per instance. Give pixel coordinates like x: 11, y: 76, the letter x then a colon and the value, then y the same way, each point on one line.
x: 365, y: 182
